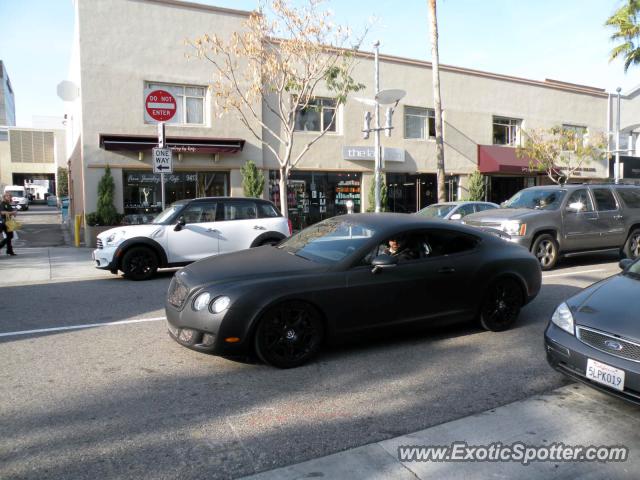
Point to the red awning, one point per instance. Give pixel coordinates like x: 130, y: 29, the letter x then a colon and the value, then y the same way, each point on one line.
x: 498, y: 159
x: 140, y: 143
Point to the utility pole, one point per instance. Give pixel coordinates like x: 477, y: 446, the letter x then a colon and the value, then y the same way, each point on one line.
x: 376, y: 119
x: 617, y: 164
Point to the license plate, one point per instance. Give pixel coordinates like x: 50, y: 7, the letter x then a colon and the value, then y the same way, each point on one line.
x: 605, y: 374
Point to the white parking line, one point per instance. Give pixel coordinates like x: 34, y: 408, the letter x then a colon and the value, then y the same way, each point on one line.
x: 568, y: 274
x: 79, y: 327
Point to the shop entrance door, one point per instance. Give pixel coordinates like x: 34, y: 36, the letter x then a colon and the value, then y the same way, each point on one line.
x: 503, y: 188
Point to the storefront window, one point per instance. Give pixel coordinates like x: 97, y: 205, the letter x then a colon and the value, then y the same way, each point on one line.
x: 314, y: 196
x: 143, y: 194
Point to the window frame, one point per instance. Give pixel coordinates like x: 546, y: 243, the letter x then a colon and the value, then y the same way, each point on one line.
x: 510, y: 123
x: 428, y: 118
x: 320, y: 112
x: 151, y: 85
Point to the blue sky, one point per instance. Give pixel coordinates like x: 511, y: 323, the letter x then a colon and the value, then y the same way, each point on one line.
x: 537, y: 39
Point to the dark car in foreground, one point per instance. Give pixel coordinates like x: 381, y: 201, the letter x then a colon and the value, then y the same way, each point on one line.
x: 340, y: 277
x: 594, y: 337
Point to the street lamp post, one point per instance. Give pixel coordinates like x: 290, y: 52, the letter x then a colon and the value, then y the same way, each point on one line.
x: 616, y: 172
x: 381, y: 97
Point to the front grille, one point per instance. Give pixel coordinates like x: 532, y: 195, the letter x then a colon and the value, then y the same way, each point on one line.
x: 177, y: 293
x: 610, y: 344
x: 99, y: 243
x: 477, y: 223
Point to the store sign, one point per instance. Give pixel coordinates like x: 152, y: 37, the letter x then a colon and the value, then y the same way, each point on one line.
x: 389, y: 154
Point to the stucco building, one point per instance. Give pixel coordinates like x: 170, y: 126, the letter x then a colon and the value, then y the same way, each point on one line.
x: 122, y: 48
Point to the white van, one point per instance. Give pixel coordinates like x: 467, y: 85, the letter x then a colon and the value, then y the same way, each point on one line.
x: 19, y: 197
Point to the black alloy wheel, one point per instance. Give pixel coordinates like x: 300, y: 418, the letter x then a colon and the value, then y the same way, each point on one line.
x: 501, y: 305
x: 545, y: 248
x: 139, y: 263
x: 288, y: 335
x: 631, y: 247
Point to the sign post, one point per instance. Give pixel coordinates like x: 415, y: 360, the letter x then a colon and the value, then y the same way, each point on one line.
x: 161, y: 106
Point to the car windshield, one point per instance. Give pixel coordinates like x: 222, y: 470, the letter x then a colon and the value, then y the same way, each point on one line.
x: 168, y: 212
x: 329, y: 241
x: 536, y: 198
x: 16, y: 193
x: 436, y: 211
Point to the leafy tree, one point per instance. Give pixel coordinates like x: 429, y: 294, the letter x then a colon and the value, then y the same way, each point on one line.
x: 626, y: 22
x: 276, y: 65
x: 559, y: 152
x: 107, y: 213
x: 252, y: 180
x: 476, y: 186
x: 62, y: 189
x: 383, y: 196
x: 437, y: 101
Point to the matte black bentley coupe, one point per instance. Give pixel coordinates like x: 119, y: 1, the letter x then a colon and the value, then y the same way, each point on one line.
x: 344, y: 275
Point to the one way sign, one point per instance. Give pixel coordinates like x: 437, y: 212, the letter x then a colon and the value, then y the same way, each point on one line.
x: 162, y: 160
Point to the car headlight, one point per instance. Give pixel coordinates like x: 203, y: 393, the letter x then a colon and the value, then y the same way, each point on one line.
x: 563, y: 318
x: 220, y: 304
x: 201, y: 301
x: 114, y: 239
x: 514, y: 228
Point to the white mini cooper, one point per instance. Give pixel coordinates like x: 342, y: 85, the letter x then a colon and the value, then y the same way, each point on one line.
x: 187, y: 231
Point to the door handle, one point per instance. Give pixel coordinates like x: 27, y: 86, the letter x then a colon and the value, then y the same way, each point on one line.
x: 258, y: 227
x: 213, y: 230
x: 618, y: 217
x: 447, y: 270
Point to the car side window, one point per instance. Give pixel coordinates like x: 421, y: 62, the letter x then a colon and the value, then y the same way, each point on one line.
x: 234, y: 210
x: 465, y: 210
x: 580, y: 201
x: 266, y: 210
x: 604, y: 199
x: 200, y: 212
x: 630, y: 196
x: 481, y: 207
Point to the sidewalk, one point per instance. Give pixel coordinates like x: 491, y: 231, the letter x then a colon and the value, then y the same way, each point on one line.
x: 573, y: 415
x: 47, y: 264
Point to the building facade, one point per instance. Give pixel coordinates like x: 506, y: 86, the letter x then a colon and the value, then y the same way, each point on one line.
x: 7, y: 99
x: 485, y: 115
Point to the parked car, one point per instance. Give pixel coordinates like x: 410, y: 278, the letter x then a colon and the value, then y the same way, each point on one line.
x: 187, y: 231
x: 52, y: 201
x: 555, y: 221
x: 19, y: 198
x: 335, y: 279
x: 594, y: 337
x: 455, y: 210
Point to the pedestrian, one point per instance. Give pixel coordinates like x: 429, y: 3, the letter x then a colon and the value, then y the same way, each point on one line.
x: 6, y: 212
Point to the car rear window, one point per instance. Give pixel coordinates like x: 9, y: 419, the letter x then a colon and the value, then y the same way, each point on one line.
x: 630, y: 196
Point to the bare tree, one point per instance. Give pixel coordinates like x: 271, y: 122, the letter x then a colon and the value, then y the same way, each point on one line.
x: 277, y: 64
x: 437, y: 100
x: 560, y: 152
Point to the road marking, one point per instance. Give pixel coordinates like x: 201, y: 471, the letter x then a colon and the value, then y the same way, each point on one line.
x: 574, y: 273
x: 79, y: 327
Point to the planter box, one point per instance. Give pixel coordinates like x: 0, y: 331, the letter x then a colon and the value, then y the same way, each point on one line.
x: 90, y: 234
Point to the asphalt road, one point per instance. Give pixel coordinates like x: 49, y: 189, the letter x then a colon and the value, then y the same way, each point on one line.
x: 125, y: 401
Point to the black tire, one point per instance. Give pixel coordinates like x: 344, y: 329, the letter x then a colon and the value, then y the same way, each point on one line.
x: 501, y: 305
x: 631, y: 247
x: 269, y: 241
x: 139, y: 263
x: 289, y: 335
x: 546, y: 250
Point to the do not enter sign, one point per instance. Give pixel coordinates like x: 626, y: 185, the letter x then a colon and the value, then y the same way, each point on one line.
x: 160, y: 105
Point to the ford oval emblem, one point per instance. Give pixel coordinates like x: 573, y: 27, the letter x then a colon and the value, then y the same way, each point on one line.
x: 613, y: 345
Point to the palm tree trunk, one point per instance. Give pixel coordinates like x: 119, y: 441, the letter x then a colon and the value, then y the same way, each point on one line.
x: 437, y: 101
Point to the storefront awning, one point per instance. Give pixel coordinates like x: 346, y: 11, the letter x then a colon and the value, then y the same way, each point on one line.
x: 498, y: 159
x: 140, y: 143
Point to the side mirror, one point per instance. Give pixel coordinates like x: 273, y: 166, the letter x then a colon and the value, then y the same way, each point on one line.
x: 625, y: 263
x: 383, y: 261
x: 181, y: 223
x: 455, y: 216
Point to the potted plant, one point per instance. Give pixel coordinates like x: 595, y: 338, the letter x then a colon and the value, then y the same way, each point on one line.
x: 106, y: 216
